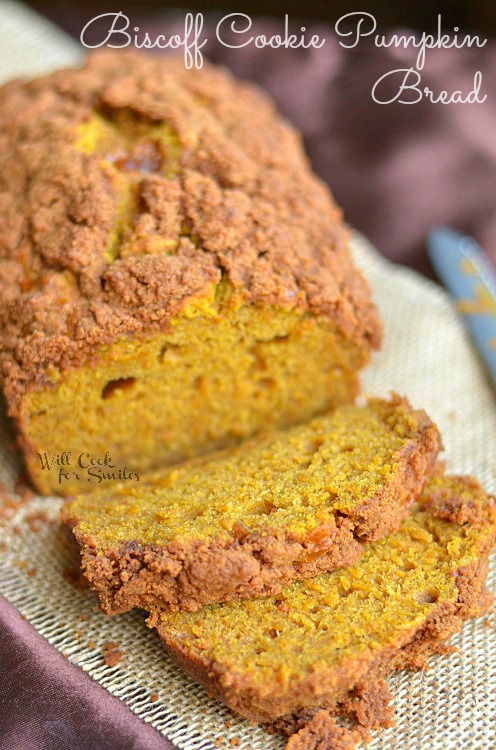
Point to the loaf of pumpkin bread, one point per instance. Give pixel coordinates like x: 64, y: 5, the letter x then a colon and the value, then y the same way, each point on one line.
x: 173, y: 275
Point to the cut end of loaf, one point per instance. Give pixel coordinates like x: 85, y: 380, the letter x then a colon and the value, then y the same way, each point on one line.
x: 224, y: 371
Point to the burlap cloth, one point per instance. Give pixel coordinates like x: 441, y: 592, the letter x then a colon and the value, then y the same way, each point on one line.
x: 427, y: 356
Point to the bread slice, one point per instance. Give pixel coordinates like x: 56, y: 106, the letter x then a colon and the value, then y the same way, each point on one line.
x: 328, y: 642
x: 248, y: 521
x: 173, y: 276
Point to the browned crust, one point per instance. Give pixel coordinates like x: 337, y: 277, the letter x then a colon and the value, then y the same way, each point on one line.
x: 189, y: 574
x: 368, y: 704
x: 242, y: 204
x: 292, y: 711
x: 323, y: 732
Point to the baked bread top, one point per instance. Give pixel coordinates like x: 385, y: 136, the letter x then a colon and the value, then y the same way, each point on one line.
x: 130, y: 186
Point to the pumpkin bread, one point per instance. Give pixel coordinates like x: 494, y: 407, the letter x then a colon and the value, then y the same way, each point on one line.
x: 246, y: 522
x: 173, y: 275
x: 322, y: 647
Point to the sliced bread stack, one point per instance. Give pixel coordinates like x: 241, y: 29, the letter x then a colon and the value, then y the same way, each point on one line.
x: 291, y: 574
